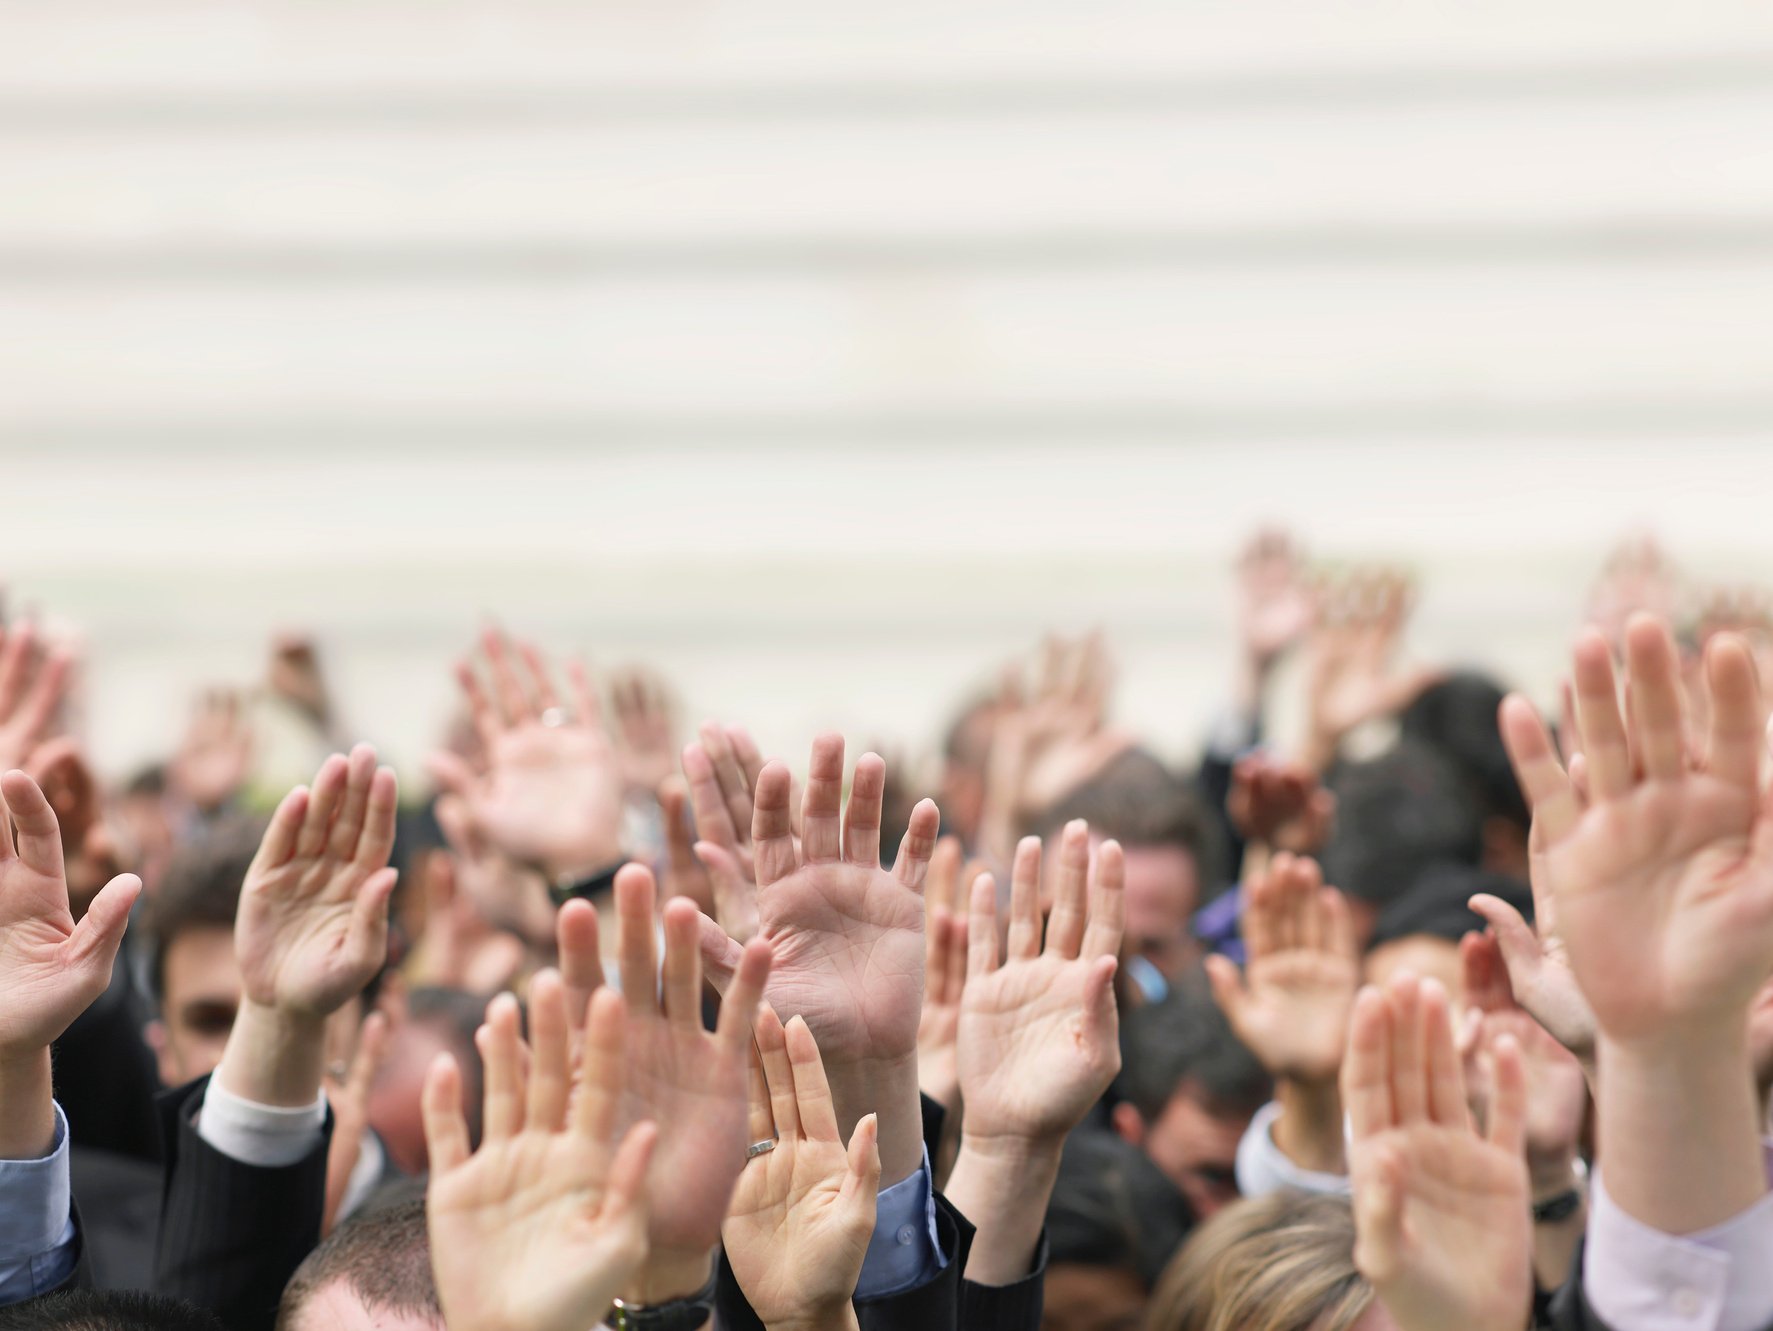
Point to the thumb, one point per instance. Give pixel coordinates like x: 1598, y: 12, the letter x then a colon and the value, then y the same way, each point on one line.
x: 1521, y: 948
x: 735, y: 899
x: 1098, y: 994
x: 720, y: 955
x: 100, y: 932
x: 1379, y: 1218
x: 863, y: 1176
x: 1227, y: 983
x: 369, y: 918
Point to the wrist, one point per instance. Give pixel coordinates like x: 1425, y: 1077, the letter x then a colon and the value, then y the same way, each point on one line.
x: 670, y: 1274
x: 839, y: 1316
x: 886, y: 1087
x: 1309, y: 1129
x: 27, y: 1107
x: 274, y: 1056
x: 1553, y: 1176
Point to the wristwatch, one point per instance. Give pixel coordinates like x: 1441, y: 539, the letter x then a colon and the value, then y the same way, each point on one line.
x: 591, y: 886
x: 685, y: 1314
x: 1561, y: 1206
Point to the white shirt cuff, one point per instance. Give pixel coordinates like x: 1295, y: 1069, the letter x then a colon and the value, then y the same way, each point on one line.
x: 1640, y: 1279
x: 254, y: 1134
x: 1262, y: 1167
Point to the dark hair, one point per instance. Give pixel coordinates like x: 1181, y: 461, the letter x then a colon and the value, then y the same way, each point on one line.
x: 106, y: 1310
x: 1187, y: 1038
x: 201, y: 889
x: 1396, y: 814
x: 1112, y: 1207
x: 1138, y: 801
x: 1457, y: 717
x: 1435, y: 904
x: 384, y: 1257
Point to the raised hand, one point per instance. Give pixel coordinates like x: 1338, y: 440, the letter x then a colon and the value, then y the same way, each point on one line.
x: 1280, y: 804
x: 1660, y: 864
x: 552, y: 792
x: 1291, y: 1005
x: 945, y: 973
x: 215, y: 755
x: 645, y: 723
x: 349, y: 1097
x: 1273, y: 601
x: 688, y: 1080
x: 312, y: 929
x: 721, y: 769
x: 540, y: 1228
x: 1441, y: 1213
x: 802, y: 1214
x: 33, y: 681
x: 1352, y: 676
x: 51, y: 968
x: 848, y: 937
x: 1039, y: 1031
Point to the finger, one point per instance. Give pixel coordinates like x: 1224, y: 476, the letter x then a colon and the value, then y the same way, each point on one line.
x: 942, y: 885
x: 360, y: 770
x: 626, y: 1185
x: 982, y: 928
x: 820, y: 838
x: 1409, y: 1094
x: 34, y: 823
x: 1338, y: 924
x: 683, y: 964
x: 1108, y: 904
x: 730, y: 783
x: 446, y: 1130
x: 497, y: 1042
x: 1520, y: 947
x: 1733, y: 751
x: 480, y: 709
x: 772, y: 831
x: 514, y: 703
x: 1366, y: 1067
x: 1306, y: 881
x: 598, y: 1103
x: 714, y: 819
x: 1445, y: 1082
x: 1508, y: 1098
x: 550, y: 1082
x: 279, y: 841
x: 1258, y: 925
x: 372, y: 1046
x: 778, y: 1073
x: 812, y: 1092
x: 1542, y: 778
x: 863, y: 1177
x: 540, y: 685
x: 1227, y: 985
x: 721, y: 954
x: 1604, y: 740
x: 861, y: 816
x: 739, y: 1005
x: 99, y: 933
x: 735, y: 899
x: 368, y: 938
x: 1379, y: 1216
x: 380, y: 819
x: 581, y: 962
x: 323, y: 802
x: 919, y: 844
x: 1658, y: 735
x: 1065, y: 926
x: 586, y: 707
x: 1024, y: 935
x: 955, y: 959
x: 749, y: 756
x: 637, y: 958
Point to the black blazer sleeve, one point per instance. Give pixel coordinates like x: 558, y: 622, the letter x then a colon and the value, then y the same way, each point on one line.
x: 105, y: 1079
x: 232, y: 1234
x: 1014, y: 1307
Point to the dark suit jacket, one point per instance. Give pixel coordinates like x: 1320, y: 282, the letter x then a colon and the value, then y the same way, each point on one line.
x: 945, y: 1302
x: 105, y: 1080
x: 118, y: 1198
x: 231, y: 1235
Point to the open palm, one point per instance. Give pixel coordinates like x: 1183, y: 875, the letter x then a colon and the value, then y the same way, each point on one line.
x: 1441, y: 1214
x: 540, y: 1228
x: 312, y: 927
x: 1039, y: 1033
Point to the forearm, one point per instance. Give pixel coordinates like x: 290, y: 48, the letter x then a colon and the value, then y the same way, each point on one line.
x: 1003, y: 1186
x: 887, y: 1088
x: 668, y: 1274
x: 27, y: 1110
x: 1309, y: 1130
x: 274, y: 1057
x: 841, y: 1318
x: 1679, y: 1135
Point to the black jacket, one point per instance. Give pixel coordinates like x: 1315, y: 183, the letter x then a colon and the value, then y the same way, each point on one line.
x: 232, y: 1234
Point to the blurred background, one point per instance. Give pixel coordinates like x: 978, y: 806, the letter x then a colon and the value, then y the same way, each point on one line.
x: 823, y: 356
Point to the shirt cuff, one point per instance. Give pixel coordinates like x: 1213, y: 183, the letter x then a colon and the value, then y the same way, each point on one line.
x: 1715, y: 1280
x: 1262, y: 1167
x: 264, y: 1135
x: 37, y: 1248
x: 904, y: 1250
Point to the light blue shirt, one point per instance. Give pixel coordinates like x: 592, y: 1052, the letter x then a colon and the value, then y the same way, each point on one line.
x: 37, y: 1247
x: 903, y: 1251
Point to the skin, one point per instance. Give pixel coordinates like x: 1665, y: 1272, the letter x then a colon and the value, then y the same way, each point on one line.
x: 1163, y: 892
x: 1092, y: 1298
x: 200, y: 995
x: 338, y: 1307
x: 1194, y: 1145
x: 1418, y: 954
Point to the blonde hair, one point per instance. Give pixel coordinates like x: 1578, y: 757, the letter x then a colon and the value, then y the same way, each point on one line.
x: 1284, y: 1262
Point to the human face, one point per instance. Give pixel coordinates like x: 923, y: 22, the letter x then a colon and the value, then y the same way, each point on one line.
x: 1079, y: 1297
x: 1162, y: 894
x: 200, y: 993
x: 1197, y: 1148
x: 1420, y: 954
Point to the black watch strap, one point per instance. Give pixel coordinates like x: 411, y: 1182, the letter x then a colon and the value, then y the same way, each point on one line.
x: 685, y: 1314
x: 589, y: 887
x: 1561, y: 1207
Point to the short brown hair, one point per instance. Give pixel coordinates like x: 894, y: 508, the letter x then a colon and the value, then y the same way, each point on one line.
x: 201, y: 888
x: 1282, y: 1262
x: 383, y: 1256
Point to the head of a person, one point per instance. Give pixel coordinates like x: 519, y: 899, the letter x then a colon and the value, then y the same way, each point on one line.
x: 1456, y: 717
x: 1420, y: 931
x: 192, y: 970
x: 966, y: 754
x: 372, y: 1273
x: 1397, y: 814
x: 437, y: 1020
x: 1170, y: 846
x: 1112, y: 1225
x: 106, y: 1310
x: 1283, y: 1262
x: 1189, y: 1089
